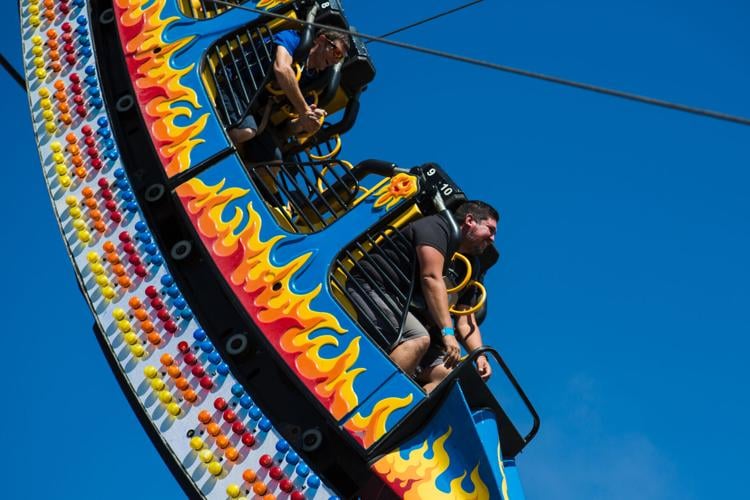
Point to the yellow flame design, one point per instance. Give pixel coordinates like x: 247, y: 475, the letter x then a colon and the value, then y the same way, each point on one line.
x: 372, y: 427
x: 159, y: 85
x: 402, y: 186
x: 415, y: 477
x: 504, y: 486
x: 271, y: 4
x: 246, y: 260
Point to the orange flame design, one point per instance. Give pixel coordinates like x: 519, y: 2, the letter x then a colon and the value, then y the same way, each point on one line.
x: 416, y: 477
x: 158, y: 85
x: 402, y: 186
x: 371, y: 428
x: 264, y: 289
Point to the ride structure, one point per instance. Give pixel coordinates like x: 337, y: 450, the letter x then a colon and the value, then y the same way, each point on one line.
x: 220, y: 277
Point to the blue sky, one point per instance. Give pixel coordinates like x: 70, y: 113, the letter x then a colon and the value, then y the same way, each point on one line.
x: 621, y: 300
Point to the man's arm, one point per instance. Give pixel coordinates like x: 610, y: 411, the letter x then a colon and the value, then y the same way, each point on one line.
x: 436, y: 297
x: 468, y: 333
x: 286, y: 78
x: 287, y: 81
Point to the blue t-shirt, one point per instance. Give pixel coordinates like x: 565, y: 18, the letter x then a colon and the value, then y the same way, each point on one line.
x: 289, y: 39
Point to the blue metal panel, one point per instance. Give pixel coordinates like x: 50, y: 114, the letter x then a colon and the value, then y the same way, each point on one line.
x: 227, y: 186
x: 457, y: 453
x: 372, y: 412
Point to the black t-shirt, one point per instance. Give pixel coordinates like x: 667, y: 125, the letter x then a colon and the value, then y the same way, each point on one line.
x: 393, y: 266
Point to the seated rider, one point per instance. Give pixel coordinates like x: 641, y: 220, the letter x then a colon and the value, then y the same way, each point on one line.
x: 432, y: 368
x: 329, y: 47
x: 430, y: 238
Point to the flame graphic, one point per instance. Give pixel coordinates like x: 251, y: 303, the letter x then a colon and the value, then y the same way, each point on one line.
x: 504, y: 485
x: 367, y: 430
x: 415, y: 477
x: 271, y: 4
x: 402, y: 186
x: 158, y: 86
x: 265, y: 291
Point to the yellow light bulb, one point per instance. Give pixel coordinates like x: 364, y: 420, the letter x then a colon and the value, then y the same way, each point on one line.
x: 206, y: 456
x: 215, y: 468
x: 233, y: 491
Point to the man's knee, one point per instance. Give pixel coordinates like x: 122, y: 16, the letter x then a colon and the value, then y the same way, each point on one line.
x: 420, y: 344
x: 240, y: 135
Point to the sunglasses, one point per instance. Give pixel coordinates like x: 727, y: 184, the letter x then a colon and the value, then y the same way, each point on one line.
x: 334, y: 48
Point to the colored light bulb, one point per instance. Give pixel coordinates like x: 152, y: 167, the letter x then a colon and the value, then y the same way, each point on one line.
x: 276, y: 473
x: 303, y: 470
x: 265, y: 425
x: 238, y: 428
x: 286, y: 485
x: 282, y: 446
x: 182, y: 383
x: 292, y: 458
x: 233, y: 491
x: 313, y: 481
x: 222, y: 441
x: 196, y: 443
x: 232, y: 454
x: 248, y: 439
x: 266, y: 461
x: 215, y: 468
x: 249, y: 475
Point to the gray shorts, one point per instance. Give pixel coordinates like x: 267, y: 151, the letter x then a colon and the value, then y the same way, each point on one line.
x: 248, y: 121
x: 385, y: 320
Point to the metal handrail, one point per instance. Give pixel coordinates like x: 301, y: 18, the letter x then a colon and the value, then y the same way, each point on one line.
x: 469, y: 359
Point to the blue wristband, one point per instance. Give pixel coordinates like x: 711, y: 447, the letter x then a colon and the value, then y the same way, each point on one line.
x: 447, y: 331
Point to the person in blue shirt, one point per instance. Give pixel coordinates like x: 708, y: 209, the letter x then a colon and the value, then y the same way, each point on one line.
x: 329, y: 48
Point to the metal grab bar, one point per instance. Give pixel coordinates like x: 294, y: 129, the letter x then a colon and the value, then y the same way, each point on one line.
x: 469, y: 359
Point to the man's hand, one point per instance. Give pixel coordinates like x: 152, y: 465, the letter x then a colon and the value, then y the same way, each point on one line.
x: 452, y: 351
x: 483, y: 367
x: 309, y: 122
x: 318, y: 113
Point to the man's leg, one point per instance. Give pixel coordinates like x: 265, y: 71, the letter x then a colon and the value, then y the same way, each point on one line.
x: 240, y: 135
x: 432, y: 368
x: 432, y: 376
x: 246, y: 129
x: 415, y: 341
x: 408, y: 353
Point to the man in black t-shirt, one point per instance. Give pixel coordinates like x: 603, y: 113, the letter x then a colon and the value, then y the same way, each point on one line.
x: 430, y: 238
x: 432, y: 369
